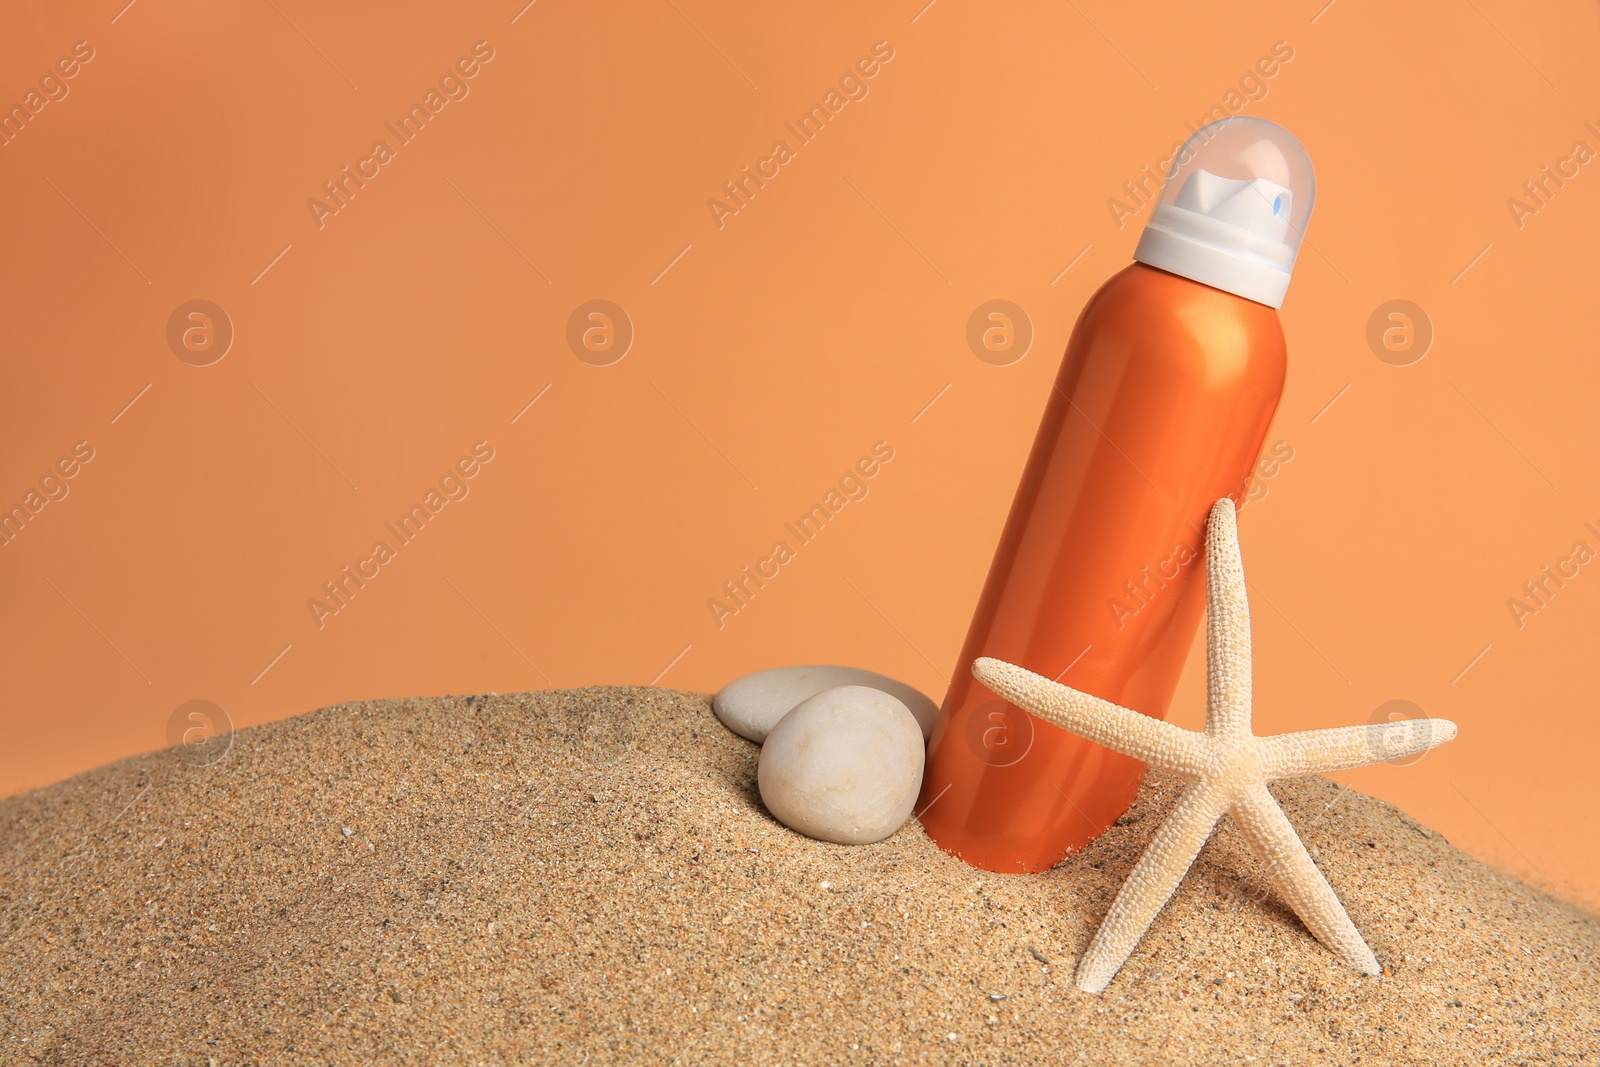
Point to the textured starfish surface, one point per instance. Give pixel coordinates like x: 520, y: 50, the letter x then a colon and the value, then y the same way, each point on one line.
x: 1229, y: 766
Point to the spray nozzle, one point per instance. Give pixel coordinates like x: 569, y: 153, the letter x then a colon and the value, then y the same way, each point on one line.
x: 1256, y: 205
x: 1233, y: 210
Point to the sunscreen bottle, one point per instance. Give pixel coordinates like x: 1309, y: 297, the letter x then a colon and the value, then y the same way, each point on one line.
x: 1161, y: 407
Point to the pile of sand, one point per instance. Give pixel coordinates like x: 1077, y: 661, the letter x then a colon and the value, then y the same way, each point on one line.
x: 589, y: 877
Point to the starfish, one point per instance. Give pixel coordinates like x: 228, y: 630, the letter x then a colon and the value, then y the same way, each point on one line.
x: 1228, y: 767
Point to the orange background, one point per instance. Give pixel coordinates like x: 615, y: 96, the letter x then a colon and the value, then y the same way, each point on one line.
x: 770, y: 353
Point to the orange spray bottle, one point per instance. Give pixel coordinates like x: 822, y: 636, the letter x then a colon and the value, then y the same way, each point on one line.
x: 1161, y: 407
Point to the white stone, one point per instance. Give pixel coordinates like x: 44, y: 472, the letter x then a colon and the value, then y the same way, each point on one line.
x: 845, y: 765
x: 751, y: 706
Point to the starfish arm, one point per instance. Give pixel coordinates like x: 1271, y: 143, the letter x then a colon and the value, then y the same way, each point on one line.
x: 1323, y: 751
x: 1151, y: 884
x: 1227, y: 626
x: 1151, y: 740
x: 1298, y: 880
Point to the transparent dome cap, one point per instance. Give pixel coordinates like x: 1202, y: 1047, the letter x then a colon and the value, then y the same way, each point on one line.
x: 1234, y: 209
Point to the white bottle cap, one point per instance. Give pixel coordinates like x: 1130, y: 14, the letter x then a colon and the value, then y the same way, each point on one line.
x: 1233, y: 210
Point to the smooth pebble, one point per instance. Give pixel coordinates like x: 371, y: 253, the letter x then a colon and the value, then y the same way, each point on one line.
x: 845, y: 765
x: 751, y: 706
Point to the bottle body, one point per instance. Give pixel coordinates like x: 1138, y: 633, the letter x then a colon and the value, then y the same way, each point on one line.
x: 1160, y: 408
